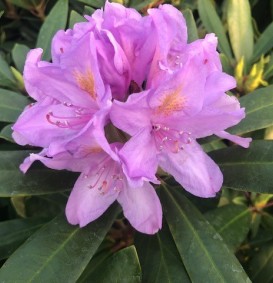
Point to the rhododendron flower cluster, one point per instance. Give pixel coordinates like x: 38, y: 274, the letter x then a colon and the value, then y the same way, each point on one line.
x: 124, y: 96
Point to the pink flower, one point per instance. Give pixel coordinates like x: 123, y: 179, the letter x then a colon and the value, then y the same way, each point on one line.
x: 121, y: 71
x: 165, y: 121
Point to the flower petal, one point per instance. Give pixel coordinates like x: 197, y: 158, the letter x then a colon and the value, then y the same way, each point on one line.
x: 244, y: 142
x: 142, y: 208
x: 84, y: 204
x: 139, y: 156
x: 194, y: 170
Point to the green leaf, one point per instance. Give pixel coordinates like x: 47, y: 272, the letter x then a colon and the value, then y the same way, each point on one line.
x: 159, y: 258
x: 247, y: 169
x: 58, y: 252
x: 19, y: 54
x: 75, y: 18
x: 11, y: 105
x: 14, y: 232
x: 259, y: 111
x: 240, y: 28
x: 55, y: 21
x: 5, y: 133
x: 212, y: 23
x: 260, y: 268
x: 122, y: 266
x: 201, y: 248
x: 37, y: 181
x: 232, y: 222
x: 264, y: 43
x: 139, y: 4
x: 94, y: 3
x: 6, y: 77
x: 191, y: 25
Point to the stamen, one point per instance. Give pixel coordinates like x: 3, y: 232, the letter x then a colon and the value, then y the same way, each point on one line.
x: 170, y: 139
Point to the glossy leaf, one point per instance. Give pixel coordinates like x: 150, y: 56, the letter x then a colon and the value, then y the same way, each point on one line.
x: 6, y: 77
x: 201, y: 248
x: 191, y: 25
x: 247, y: 169
x: 159, y: 258
x: 19, y: 54
x: 259, y: 111
x: 240, y: 28
x: 232, y: 222
x: 55, y: 21
x: 264, y: 43
x: 260, y: 269
x: 122, y: 266
x: 212, y: 23
x: 11, y: 105
x: 14, y: 232
x: 58, y: 252
x: 38, y: 180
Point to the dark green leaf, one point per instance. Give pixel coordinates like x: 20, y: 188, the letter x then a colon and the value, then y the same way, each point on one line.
x: 240, y: 28
x: 191, y: 25
x: 6, y: 77
x: 122, y: 266
x: 38, y: 180
x: 247, y: 169
x: 19, y: 54
x: 11, y: 105
x: 14, y: 232
x: 259, y: 111
x: 201, y: 248
x: 213, y: 23
x: 5, y: 134
x: 264, y: 43
x: 261, y: 266
x: 94, y: 3
x: 55, y: 21
x: 232, y: 222
x: 159, y: 258
x: 58, y: 252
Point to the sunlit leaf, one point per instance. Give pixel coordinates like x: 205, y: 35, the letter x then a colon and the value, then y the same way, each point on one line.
x: 240, y: 28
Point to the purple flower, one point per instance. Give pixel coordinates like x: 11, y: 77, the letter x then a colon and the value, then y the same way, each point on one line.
x: 118, y: 72
x: 165, y: 121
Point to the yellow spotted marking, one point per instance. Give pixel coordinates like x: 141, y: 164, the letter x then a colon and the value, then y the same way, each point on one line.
x: 86, y: 82
x: 171, y: 102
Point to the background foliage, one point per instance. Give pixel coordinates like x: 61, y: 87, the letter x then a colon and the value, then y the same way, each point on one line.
x: 225, y: 239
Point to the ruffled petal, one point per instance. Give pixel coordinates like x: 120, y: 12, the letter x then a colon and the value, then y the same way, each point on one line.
x: 142, y: 208
x: 194, y: 170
